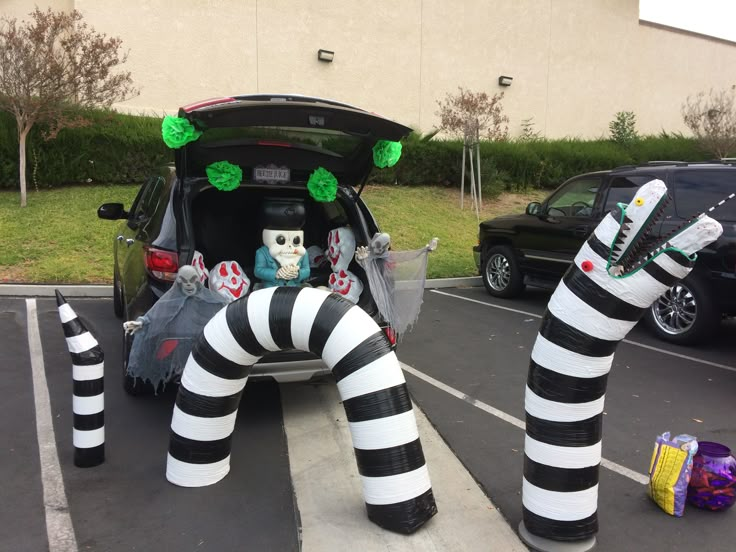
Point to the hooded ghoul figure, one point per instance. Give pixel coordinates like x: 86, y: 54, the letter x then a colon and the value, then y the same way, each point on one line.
x: 282, y: 259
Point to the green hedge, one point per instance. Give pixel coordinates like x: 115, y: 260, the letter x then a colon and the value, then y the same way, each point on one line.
x: 118, y: 148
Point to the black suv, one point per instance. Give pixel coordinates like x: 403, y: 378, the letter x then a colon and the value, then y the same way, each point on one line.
x: 536, y: 248
x: 278, y: 141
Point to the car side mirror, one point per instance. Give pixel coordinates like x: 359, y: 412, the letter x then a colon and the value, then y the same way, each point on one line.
x: 534, y: 208
x: 112, y: 211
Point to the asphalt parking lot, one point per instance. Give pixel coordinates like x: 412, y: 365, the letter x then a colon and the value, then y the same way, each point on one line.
x: 466, y: 363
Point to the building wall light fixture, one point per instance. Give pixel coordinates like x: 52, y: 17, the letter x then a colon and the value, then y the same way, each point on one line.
x: 503, y: 80
x: 325, y: 55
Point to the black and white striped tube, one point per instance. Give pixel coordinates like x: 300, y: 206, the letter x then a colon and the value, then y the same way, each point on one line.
x: 88, y: 403
x: 394, y: 475
x: 589, y: 313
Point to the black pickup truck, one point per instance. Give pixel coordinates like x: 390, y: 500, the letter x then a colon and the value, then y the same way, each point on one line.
x: 537, y: 247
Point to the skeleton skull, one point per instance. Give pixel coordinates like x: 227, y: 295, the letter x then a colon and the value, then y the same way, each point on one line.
x: 188, y: 280
x: 229, y: 280
x: 340, y: 248
x: 346, y: 284
x: 198, y: 263
x: 286, y: 246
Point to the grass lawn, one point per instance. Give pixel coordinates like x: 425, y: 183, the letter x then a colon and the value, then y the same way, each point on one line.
x: 59, y: 239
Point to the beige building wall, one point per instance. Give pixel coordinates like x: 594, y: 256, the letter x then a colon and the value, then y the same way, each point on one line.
x: 575, y: 63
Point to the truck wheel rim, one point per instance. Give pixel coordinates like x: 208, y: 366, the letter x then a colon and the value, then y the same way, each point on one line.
x: 498, y: 272
x: 675, y: 311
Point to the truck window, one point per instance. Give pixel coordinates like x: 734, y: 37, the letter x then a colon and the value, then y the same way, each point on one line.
x: 576, y: 199
x: 622, y: 189
x: 696, y: 191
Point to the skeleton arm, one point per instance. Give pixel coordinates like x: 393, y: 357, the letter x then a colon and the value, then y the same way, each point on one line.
x: 132, y: 326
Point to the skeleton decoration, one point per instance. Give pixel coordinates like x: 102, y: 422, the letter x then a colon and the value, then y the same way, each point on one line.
x: 391, y: 463
x: 340, y: 248
x: 346, y: 284
x: 282, y: 260
x: 229, y: 280
x: 617, y: 274
x: 163, y: 336
x: 198, y: 264
x: 396, y: 279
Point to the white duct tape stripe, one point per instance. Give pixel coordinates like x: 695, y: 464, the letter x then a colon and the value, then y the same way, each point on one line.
x: 88, y: 405
x: 200, y: 381
x: 66, y: 313
x: 81, y: 343
x: 636, y: 289
x: 396, y: 488
x: 202, y: 429
x: 557, y: 505
x: 553, y: 357
x: 697, y: 236
x: 259, y: 307
x: 380, y: 374
x: 671, y: 266
x: 184, y: 474
x: 569, y: 308
x: 606, y: 231
x: 562, y: 457
x: 385, y: 432
x: 218, y: 335
x: 351, y: 331
x: 306, y: 307
x: 86, y: 373
x: 560, y: 412
x: 88, y: 439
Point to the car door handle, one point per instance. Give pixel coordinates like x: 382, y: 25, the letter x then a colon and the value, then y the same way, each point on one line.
x: 581, y: 231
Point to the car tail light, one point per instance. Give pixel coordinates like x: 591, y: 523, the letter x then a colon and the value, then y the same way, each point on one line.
x: 390, y: 334
x: 161, y: 264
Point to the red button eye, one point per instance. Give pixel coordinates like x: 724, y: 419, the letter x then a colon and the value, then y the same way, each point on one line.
x: 223, y: 270
x: 587, y: 266
x: 234, y: 268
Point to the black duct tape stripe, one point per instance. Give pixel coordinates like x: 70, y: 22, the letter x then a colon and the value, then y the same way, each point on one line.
x: 279, y: 315
x: 560, y: 480
x: 557, y: 387
x: 202, y: 406
x: 89, y: 457
x: 88, y: 358
x: 213, y: 362
x: 330, y: 313
x: 390, y: 461
x: 680, y: 259
x: 558, y: 332
x: 584, y: 433
x: 598, y: 247
x: 88, y: 422
x: 89, y: 388
x: 600, y: 299
x: 404, y: 517
x: 565, y: 531
x: 73, y: 327
x: 660, y: 274
x: 379, y: 404
x: 372, y: 348
x: 198, y: 452
x: 236, y: 316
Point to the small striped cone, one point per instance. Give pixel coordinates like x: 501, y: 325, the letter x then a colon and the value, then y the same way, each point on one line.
x: 89, y: 397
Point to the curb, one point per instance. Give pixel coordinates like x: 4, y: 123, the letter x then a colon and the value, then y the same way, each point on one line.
x: 47, y: 290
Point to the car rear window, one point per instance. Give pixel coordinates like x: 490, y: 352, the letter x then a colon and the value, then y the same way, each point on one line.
x: 696, y: 191
x: 327, y: 141
x: 623, y: 188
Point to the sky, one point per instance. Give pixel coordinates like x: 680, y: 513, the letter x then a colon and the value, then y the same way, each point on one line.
x: 710, y: 17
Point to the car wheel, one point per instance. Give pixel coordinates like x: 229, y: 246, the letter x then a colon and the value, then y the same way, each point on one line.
x: 132, y: 385
x: 685, y: 314
x: 500, y: 272
x: 117, y: 295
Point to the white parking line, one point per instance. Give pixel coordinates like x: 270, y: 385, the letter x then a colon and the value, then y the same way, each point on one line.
x: 635, y: 343
x: 59, y: 527
x: 613, y: 466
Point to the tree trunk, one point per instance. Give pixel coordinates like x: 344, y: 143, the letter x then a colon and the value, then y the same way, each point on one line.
x: 22, y: 135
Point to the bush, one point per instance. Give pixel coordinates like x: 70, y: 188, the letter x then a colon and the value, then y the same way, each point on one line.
x: 623, y: 128
x: 114, y: 148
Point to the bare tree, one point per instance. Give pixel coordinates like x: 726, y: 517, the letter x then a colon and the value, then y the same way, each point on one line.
x: 51, y: 64
x: 712, y: 119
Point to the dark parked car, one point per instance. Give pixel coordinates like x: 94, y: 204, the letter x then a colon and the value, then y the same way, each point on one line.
x: 536, y: 248
x: 278, y: 141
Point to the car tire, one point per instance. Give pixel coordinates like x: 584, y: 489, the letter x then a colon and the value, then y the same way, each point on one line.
x: 500, y: 272
x: 117, y: 295
x: 132, y: 385
x: 686, y: 314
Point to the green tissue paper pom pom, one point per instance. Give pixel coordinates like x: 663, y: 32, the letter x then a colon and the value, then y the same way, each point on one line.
x: 322, y: 185
x: 386, y: 153
x: 178, y: 131
x: 224, y: 175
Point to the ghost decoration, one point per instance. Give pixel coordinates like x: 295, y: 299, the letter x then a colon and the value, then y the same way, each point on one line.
x: 198, y: 264
x: 282, y: 259
x: 229, y: 280
x: 317, y: 257
x: 346, y: 284
x: 340, y: 248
